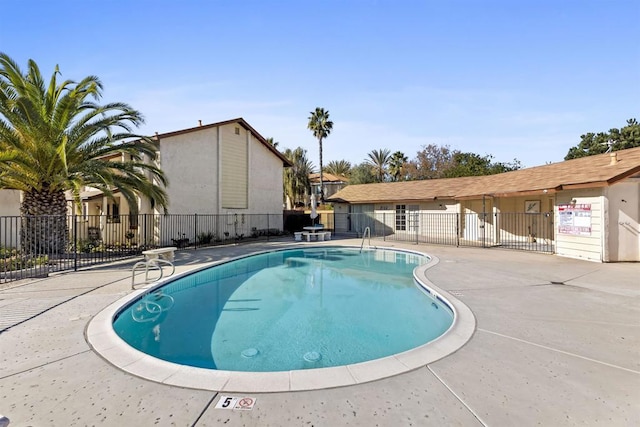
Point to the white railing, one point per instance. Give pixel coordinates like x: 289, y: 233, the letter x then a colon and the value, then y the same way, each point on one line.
x: 367, y: 232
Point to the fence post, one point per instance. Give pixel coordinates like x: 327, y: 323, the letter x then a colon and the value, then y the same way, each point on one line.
x: 384, y: 227
x: 457, y: 229
x: 195, y: 232
x: 75, y: 242
x: 268, y: 228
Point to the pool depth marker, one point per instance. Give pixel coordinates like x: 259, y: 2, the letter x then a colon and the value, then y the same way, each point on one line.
x: 236, y: 403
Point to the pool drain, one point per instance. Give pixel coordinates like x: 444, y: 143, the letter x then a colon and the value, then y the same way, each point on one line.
x: 312, y: 356
x: 250, y: 352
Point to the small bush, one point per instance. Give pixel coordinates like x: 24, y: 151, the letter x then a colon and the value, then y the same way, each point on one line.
x: 205, y: 238
x: 11, y: 260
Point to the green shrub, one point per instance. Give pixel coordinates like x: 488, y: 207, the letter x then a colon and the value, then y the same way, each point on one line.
x: 205, y: 238
x: 11, y: 260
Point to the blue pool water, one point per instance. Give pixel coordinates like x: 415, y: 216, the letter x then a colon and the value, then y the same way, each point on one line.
x: 288, y: 310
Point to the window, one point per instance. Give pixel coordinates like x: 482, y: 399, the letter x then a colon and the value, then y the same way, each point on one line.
x: 113, y: 211
x: 401, y: 217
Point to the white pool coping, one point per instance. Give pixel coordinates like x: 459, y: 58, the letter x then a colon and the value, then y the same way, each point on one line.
x: 103, y: 339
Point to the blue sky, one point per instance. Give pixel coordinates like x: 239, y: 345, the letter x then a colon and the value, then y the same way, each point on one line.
x: 513, y: 79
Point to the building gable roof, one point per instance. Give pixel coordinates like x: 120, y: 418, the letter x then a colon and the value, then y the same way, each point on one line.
x: 240, y: 121
x: 586, y: 172
x: 327, y: 178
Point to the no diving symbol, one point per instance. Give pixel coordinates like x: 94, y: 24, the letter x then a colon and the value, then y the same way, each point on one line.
x: 246, y: 403
x: 236, y: 403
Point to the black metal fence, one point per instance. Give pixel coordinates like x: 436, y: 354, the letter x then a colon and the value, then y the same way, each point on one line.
x: 532, y: 232
x: 36, y: 246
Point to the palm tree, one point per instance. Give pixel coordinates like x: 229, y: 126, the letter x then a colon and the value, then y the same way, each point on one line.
x: 296, y: 178
x: 321, y: 127
x: 396, y: 164
x: 56, y: 138
x: 338, y: 167
x: 379, y: 160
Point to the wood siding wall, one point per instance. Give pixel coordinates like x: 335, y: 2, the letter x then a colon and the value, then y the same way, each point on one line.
x: 577, y: 246
x: 234, y: 164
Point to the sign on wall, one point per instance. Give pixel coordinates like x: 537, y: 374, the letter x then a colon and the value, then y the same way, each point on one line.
x: 574, y: 219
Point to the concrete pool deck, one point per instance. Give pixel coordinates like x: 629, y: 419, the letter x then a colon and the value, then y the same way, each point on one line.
x: 557, y: 342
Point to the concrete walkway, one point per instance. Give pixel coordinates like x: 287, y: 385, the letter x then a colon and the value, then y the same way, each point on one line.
x: 557, y: 343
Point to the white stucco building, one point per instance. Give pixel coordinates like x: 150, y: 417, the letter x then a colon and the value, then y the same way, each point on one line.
x: 586, y: 208
x: 224, y: 169
x: 9, y: 202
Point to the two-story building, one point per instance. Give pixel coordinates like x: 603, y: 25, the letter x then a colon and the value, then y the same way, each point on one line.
x: 219, y: 171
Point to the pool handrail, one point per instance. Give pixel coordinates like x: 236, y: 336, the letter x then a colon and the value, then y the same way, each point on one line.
x: 151, y: 264
x: 367, y: 232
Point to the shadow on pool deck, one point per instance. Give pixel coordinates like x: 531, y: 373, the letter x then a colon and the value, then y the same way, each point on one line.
x: 557, y: 343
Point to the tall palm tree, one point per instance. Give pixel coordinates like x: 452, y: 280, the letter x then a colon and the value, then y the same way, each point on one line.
x: 321, y: 127
x: 396, y: 164
x: 56, y: 137
x: 338, y: 167
x: 379, y: 160
x: 296, y: 178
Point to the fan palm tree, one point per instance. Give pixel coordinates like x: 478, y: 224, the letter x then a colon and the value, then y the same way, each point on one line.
x: 379, y: 160
x: 321, y: 127
x: 296, y: 178
x: 396, y: 164
x: 338, y: 167
x: 55, y: 137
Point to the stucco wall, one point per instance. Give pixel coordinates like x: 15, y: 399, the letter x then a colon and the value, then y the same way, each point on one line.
x: 418, y: 223
x: 589, y: 247
x: 190, y: 163
x: 340, y: 219
x: 9, y: 227
x: 265, y: 183
x: 9, y: 202
x: 516, y: 222
x: 622, y: 213
x: 517, y: 204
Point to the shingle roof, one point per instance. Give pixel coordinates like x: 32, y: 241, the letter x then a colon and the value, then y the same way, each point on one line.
x: 327, y: 177
x: 586, y: 172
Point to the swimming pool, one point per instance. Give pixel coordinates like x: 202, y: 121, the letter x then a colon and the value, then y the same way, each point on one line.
x: 103, y: 340
x: 288, y: 310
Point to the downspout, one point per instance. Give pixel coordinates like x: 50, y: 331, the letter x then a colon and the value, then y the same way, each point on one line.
x: 604, y: 226
x: 219, y: 183
x: 484, y: 220
x: 496, y: 220
x: 554, y: 221
x: 248, y: 171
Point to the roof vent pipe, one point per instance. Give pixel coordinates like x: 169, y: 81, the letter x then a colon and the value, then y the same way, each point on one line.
x: 613, y: 158
x: 200, y: 122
